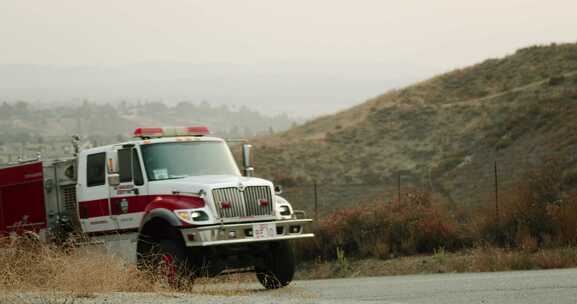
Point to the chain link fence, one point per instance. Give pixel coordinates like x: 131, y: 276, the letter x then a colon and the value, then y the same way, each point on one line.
x: 468, y: 182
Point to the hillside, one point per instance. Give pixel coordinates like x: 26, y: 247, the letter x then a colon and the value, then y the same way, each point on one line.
x: 27, y: 129
x: 520, y: 105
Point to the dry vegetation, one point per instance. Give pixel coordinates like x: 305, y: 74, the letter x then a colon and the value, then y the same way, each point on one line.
x: 479, y: 259
x: 522, y: 104
x: 534, y: 229
x: 31, y: 267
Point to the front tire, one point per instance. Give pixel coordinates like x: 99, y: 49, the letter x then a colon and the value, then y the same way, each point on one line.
x: 279, y: 266
x: 169, y: 262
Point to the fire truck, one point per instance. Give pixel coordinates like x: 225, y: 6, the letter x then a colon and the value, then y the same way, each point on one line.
x: 172, y: 198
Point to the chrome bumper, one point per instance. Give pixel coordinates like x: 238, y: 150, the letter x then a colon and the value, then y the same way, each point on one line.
x: 243, y: 233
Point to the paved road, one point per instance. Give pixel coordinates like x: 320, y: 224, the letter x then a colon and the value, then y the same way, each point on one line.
x: 559, y: 286
x: 551, y: 286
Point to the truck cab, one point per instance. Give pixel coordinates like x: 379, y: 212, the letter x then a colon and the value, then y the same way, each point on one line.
x: 179, y: 196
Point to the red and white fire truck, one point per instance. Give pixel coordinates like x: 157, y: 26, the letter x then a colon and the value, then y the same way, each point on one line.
x: 172, y: 196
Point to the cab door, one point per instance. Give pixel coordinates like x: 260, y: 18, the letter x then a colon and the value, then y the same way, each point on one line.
x: 93, y: 192
x: 128, y: 198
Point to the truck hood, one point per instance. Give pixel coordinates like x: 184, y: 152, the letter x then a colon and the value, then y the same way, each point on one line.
x: 206, y: 183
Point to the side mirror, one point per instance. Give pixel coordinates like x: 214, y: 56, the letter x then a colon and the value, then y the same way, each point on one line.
x: 113, y: 179
x: 278, y: 189
x: 248, y: 169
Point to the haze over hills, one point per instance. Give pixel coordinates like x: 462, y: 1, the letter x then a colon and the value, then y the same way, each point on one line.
x: 302, y: 90
x: 522, y: 104
x: 28, y: 129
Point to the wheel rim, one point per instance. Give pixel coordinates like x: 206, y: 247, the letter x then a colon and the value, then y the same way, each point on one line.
x: 168, y: 268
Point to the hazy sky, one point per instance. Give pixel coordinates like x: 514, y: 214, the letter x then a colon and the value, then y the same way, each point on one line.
x: 408, y: 37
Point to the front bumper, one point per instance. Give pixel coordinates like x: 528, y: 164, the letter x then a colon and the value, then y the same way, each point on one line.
x: 228, y: 234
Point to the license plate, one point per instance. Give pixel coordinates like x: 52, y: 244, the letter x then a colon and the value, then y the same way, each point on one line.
x: 264, y: 231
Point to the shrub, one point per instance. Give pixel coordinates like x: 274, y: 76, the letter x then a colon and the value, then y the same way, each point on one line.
x: 564, y: 217
x: 556, y: 80
x: 570, y: 177
x: 379, y: 230
x: 535, y: 213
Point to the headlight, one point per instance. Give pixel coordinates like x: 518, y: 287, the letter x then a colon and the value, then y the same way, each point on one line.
x: 285, y: 210
x: 191, y: 216
x: 183, y: 215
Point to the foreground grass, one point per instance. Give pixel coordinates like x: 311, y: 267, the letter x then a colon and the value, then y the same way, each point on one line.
x: 29, y: 267
x: 51, y: 271
x: 473, y: 260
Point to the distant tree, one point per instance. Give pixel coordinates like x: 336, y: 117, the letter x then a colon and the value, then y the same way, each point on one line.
x: 184, y: 105
x: 79, y: 125
x: 95, y: 140
x: 108, y: 111
x: 20, y: 108
x: 205, y: 104
x: 123, y: 107
x: 6, y: 110
x: 155, y: 107
x: 84, y: 110
x: 234, y: 131
x: 247, y: 132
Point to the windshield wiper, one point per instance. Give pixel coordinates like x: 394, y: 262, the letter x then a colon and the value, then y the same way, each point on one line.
x: 177, y: 176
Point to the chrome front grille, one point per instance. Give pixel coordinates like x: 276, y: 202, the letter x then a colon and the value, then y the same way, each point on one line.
x: 252, y: 201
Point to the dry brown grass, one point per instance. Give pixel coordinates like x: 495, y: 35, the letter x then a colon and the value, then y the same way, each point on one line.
x: 38, y: 273
x: 497, y: 259
x: 29, y: 266
x: 480, y: 259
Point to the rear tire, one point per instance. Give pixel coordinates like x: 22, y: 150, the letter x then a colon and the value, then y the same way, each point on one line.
x: 279, y: 266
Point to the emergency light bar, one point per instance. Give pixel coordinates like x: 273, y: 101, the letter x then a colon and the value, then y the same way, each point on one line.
x: 170, y: 132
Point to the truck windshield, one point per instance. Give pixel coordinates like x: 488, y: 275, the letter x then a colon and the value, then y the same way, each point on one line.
x: 182, y: 159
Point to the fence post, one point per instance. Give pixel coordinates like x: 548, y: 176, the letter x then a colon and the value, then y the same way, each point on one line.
x: 496, y: 191
x: 316, y: 197
x: 430, y: 180
x: 399, y: 185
